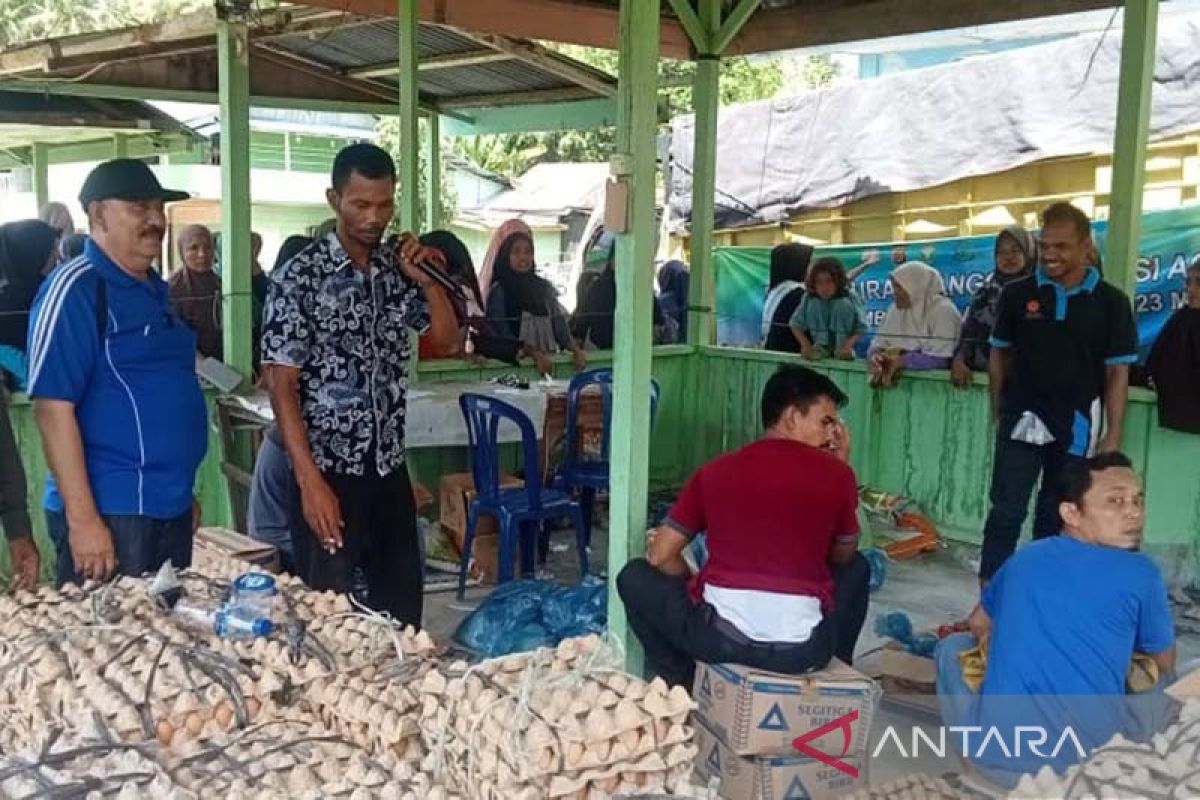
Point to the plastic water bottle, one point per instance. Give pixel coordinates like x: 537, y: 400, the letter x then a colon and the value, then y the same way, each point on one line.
x: 221, y: 621
x: 254, y: 595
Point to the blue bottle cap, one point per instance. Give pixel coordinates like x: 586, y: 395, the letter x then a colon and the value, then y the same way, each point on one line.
x: 263, y: 627
x: 255, y: 582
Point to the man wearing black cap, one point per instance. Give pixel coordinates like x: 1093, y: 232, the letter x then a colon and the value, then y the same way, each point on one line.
x: 113, y: 382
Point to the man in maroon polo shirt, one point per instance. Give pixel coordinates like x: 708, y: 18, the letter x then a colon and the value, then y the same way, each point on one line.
x: 784, y: 588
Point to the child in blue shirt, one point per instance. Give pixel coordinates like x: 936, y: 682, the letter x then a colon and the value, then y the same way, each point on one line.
x: 830, y: 319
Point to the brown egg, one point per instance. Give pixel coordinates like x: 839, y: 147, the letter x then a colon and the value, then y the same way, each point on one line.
x: 253, y: 706
x: 223, y: 716
x: 164, y: 732
x: 194, y: 723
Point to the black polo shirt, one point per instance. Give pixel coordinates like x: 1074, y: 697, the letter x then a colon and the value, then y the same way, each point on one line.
x: 1061, y: 341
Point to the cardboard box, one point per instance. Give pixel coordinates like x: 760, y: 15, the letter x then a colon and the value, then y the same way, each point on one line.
x: 238, y: 545
x: 918, y: 674
x: 456, y: 493
x: 485, y: 555
x: 784, y: 777
x: 754, y: 712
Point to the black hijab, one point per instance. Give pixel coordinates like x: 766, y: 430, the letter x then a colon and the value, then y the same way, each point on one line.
x: 25, y: 249
x: 1174, y: 363
x: 789, y: 262
x: 459, y: 264
x: 523, y: 291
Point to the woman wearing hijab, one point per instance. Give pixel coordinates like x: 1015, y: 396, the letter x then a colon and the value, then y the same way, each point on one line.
x: 1174, y: 363
x: 28, y: 251
x: 594, y: 322
x: 921, y: 328
x: 1016, y: 256
x: 521, y: 305
x: 789, y: 268
x: 195, y: 290
x: 475, y: 335
x: 673, y: 285
x: 57, y: 216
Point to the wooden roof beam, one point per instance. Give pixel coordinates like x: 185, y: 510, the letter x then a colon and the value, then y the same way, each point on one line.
x: 468, y: 58
x: 566, y: 21
x: 65, y: 49
x: 597, y: 81
x: 513, y: 98
x: 824, y: 23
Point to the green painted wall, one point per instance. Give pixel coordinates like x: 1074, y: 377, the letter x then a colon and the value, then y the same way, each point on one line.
x: 923, y: 438
x: 210, y: 488
x: 670, y: 368
x: 934, y: 443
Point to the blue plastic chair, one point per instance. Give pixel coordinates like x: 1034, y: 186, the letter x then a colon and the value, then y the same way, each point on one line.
x: 515, y: 507
x: 588, y: 476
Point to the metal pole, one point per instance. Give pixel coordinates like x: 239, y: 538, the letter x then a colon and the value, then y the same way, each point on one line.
x: 1129, y: 146
x: 408, y: 214
x: 433, y: 183
x: 706, y: 99
x: 41, y: 175
x: 120, y: 145
x: 233, y: 58
x: 634, y: 165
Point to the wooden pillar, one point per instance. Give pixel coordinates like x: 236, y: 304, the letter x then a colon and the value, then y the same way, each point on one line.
x: 408, y: 214
x: 433, y: 182
x: 706, y: 99
x: 41, y: 175
x: 634, y: 165
x: 233, y: 64
x: 1129, y: 147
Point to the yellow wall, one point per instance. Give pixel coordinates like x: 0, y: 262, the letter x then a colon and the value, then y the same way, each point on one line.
x: 1172, y: 178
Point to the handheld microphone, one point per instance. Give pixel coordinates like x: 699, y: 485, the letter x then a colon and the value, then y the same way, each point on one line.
x: 433, y: 271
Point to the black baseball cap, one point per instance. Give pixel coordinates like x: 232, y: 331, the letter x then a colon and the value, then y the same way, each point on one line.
x: 125, y: 179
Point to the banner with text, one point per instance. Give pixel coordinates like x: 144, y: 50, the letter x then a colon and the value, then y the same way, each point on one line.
x: 1170, y: 242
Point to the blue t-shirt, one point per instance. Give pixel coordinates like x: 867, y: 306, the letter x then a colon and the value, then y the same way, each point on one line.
x: 138, y: 402
x: 1067, y: 617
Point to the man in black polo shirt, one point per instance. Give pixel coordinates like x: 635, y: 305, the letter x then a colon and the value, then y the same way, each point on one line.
x: 1059, y: 376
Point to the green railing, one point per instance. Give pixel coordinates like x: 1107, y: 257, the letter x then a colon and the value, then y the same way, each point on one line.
x: 934, y: 442
x: 924, y: 438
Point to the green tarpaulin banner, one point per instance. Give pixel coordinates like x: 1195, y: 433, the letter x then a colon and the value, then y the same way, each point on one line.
x: 1170, y: 242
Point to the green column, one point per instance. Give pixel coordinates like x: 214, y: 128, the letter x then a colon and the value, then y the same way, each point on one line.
x: 433, y: 183
x: 234, y: 91
x: 41, y: 175
x: 120, y: 145
x: 408, y: 214
x: 706, y: 99
x: 633, y: 164
x: 1129, y: 146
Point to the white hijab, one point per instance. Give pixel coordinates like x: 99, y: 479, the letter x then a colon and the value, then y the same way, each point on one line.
x: 930, y: 325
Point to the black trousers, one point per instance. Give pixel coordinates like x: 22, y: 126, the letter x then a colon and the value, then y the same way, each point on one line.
x: 379, y: 537
x: 1015, y: 471
x: 676, y: 633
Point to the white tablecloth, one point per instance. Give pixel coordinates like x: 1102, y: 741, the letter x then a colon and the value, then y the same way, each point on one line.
x: 434, y: 418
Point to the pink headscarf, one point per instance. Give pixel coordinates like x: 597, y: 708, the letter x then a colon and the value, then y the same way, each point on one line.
x: 487, y: 267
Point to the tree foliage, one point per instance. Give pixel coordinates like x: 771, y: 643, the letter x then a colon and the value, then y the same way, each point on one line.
x: 742, y: 79
x: 389, y: 139
x: 31, y: 20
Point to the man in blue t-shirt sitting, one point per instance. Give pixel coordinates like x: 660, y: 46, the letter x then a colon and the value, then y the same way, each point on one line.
x: 1060, y: 622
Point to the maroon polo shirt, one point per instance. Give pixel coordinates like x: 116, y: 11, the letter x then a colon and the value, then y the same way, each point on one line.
x: 771, y: 511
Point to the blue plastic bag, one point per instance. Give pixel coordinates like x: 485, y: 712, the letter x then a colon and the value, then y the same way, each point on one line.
x: 527, y: 614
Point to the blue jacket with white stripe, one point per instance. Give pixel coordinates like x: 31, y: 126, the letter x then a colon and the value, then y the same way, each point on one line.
x: 137, y: 399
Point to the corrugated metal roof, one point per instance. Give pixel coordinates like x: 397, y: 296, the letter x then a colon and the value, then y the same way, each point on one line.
x: 338, y: 44
x: 503, y: 77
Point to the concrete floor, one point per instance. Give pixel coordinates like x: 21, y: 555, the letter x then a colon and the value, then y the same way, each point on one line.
x: 935, y: 589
